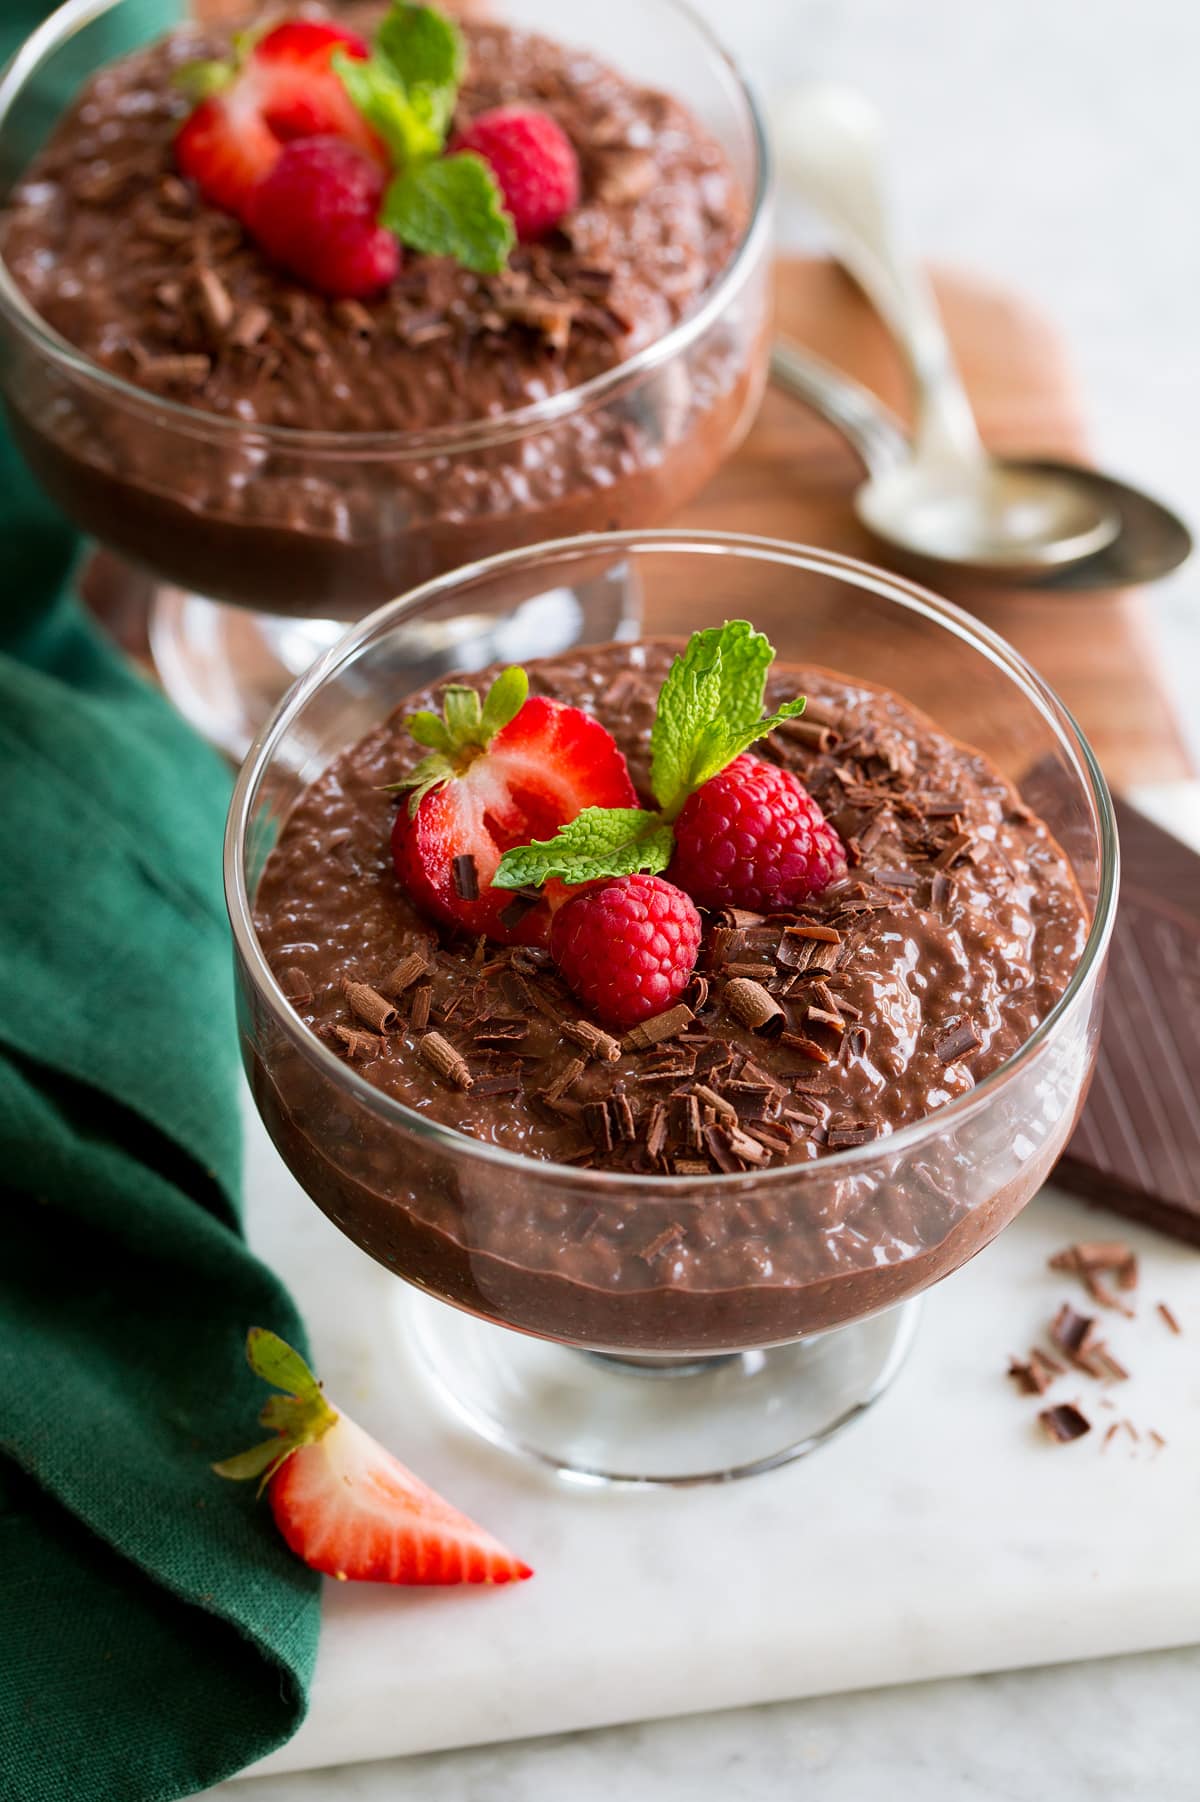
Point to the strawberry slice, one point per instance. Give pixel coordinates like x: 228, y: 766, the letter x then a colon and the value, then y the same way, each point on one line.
x: 284, y: 86
x: 343, y: 1503
x: 500, y: 773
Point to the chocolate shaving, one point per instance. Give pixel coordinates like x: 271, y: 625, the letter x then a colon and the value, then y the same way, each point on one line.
x: 663, y: 1026
x: 500, y: 1031
x: 752, y: 1006
x: 689, y: 1167
x: 466, y: 877
x: 656, y: 1130
x: 740, y: 918
x: 827, y: 935
x: 422, y: 1006
x: 670, y: 1235
x: 842, y: 1138
x: 1092, y: 1260
x: 505, y: 1082
x: 370, y: 1006
x: 404, y: 975
x: 709, y: 1098
x: 950, y: 853
x: 597, y: 1043
x: 445, y: 1061
x: 1065, y: 1422
x: 566, y: 1079
x: 684, y: 1121
x: 359, y: 1044
x: 295, y: 985
x: 796, y: 1041
x: 823, y: 1017
x: 621, y: 1110
x: 959, y: 1042
x: 597, y: 1118
x: 249, y: 327
x: 1169, y: 1317
x: 1037, y: 1373
x: 513, y: 912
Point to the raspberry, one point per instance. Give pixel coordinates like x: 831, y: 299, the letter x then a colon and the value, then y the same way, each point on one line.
x: 626, y: 946
x: 316, y: 215
x: 754, y: 837
x: 532, y: 159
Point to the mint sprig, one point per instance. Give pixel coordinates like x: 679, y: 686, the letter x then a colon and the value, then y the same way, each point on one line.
x: 406, y: 91
x: 710, y: 710
x: 451, y: 207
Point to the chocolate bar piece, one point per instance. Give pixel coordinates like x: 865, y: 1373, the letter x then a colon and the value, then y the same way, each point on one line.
x: 1137, y: 1146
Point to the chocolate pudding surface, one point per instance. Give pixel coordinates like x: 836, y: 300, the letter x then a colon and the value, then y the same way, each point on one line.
x: 130, y: 265
x: 954, y: 934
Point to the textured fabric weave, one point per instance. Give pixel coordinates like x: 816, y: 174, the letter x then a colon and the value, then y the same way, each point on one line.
x: 155, y: 1634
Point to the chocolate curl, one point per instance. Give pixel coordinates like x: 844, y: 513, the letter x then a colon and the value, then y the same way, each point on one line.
x: 1065, y: 1423
x: 663, y: 1026
x: 751, y: 1005
x: 598, y: 1044
x: 370, y: 1007
x: 359, y: 1044
x: 295, y: 985
x: 445, y: 1061
x: 566, y: 1079
x: 404, y: 975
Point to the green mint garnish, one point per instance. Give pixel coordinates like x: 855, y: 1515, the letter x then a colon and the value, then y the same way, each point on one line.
x: 710, y: 710
x: 444, y: 206
x: 451, y: 208
x: 465, y: 727
x: 601, y: 841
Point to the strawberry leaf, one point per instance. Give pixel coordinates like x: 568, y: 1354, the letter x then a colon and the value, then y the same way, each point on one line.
x: 710, y: 710
x: 271, y: 1358
x: 600, y: 841
x: 429, y: 730
x: 253, y: 1463
x: 504, y: 700
x: 464, y: 715
x: 451, y: 207
x: 201, y: 80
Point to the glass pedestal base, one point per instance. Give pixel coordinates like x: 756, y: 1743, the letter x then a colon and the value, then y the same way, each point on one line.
x: 226, y: 668
x: 595, y: 1418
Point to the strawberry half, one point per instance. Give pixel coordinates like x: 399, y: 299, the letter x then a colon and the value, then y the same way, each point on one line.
x: 344, y: 1504
x: 500, y: 773
x: 284, y: 86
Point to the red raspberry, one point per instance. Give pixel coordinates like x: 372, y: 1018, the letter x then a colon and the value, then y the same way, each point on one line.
x: 626, y: 946
x: 533, y: 160
x: 754, y: 837
x: 316, y: 215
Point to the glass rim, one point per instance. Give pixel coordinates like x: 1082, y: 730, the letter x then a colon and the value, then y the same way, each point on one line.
x: 755, y: 549
x: 74, y: 15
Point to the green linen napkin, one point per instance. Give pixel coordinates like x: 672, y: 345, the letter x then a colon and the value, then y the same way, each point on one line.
x: 155, y: 1633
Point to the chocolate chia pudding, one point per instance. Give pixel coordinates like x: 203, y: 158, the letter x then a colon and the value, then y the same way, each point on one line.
x: 953, y: 933
x: 126, y: 261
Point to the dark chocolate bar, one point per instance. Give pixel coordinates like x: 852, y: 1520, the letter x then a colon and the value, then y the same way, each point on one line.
x: 1137, y: 1146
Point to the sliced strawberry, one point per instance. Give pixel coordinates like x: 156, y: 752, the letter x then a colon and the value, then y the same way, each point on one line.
x: 514, y: 770
x: 345, y: 1504
x: 302, y: 95
x: 350, y: 1509
x: 284, y: 87
x: 227, y: 149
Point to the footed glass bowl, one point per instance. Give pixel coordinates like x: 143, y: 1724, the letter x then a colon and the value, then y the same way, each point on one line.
x: 664, y: 1328
x: 262, y: 538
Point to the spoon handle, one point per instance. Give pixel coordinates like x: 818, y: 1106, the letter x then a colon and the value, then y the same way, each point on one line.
x: 866, y: 424
x: 830, y: 143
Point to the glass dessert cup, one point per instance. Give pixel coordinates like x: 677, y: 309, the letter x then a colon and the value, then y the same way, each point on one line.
x: 264, y: 540
x: 792, y: 1309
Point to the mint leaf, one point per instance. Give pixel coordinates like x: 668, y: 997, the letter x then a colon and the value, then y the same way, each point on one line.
x: 423, y: 46
x: 601, y: 841
x: 710, y: 710
x: 409, y: 124
x: 451, y: 208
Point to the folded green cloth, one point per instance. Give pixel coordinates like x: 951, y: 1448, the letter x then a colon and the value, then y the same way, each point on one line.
x: 155, y: 1633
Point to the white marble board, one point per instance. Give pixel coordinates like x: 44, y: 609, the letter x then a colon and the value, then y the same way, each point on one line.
x: 943, y: 1535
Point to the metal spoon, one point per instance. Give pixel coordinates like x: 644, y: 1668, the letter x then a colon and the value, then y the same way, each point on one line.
x: 945, y: 503
x: 1151, y: 542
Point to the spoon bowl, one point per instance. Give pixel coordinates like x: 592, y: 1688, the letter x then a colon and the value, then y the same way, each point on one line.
x: 944, y: 502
